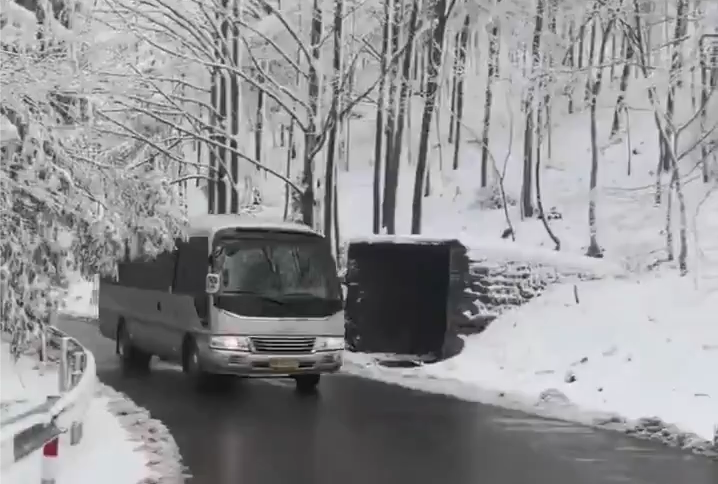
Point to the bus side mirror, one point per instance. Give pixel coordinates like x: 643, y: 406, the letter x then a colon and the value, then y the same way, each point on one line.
x: 212, y: 283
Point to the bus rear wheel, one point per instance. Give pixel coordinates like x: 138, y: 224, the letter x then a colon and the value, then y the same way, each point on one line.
x: 132, y: 358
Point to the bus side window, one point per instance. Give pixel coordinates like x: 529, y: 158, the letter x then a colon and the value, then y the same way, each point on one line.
x: 159, y: 272
x: 191, y: 271
x: 147, y: 273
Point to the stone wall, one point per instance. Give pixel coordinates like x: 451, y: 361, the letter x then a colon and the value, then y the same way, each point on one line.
x: 493, y: 287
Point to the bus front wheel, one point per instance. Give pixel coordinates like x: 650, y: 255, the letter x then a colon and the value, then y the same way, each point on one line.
x: 192, y: 367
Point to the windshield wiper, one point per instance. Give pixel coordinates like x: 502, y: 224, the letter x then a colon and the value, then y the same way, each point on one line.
x: 255, y: 294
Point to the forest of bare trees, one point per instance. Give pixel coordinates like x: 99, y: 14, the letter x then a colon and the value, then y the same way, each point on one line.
x: 112, y: 111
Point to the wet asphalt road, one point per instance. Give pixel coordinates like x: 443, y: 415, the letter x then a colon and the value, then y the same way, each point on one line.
x: 357, y: 431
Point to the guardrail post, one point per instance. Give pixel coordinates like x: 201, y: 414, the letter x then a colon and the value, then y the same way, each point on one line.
x: 63, y: 372
x: 77, y: 366
x: 50, y: 453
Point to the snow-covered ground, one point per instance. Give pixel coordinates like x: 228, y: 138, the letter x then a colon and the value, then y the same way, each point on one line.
x: 642, y: 342
x: 121, y: 443
x: 641, y: 347
x: 25, y: 383
x: 105, y: 454
x: 105, y: 444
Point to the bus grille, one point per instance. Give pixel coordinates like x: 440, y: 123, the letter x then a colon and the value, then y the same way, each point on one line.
x: 283, y: 344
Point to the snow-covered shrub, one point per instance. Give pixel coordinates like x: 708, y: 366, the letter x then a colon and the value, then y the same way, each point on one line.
x: 489, y: 198
x: 79, y: 175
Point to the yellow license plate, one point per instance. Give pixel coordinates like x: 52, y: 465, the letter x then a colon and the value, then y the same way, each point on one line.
x: 281, y: 364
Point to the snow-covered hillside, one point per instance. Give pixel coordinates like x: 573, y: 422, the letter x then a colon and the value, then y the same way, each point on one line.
x: 641, y: 342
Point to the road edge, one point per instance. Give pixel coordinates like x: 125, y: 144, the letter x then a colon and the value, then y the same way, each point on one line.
x: 155, y: 440
x: 550, y: 404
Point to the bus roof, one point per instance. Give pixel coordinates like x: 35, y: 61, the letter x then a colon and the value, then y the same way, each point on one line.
x: 208, y: 225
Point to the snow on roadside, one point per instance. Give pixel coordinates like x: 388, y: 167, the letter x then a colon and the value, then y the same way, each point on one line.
x: 630, y: 349
x: 150, y: 439
x: 24, y: 383
x: 79, y: 300
x: 122, y: 444
x: 150, y: 436
x: 106, y: 453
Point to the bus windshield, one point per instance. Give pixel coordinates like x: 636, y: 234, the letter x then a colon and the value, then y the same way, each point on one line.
x: 278, y: 268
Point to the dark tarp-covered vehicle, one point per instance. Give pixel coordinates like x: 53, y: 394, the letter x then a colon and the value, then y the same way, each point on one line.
x: 402, y: 295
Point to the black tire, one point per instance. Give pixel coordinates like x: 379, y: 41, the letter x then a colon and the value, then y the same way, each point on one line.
x: 199, y: 378
x: 132, y: 358
x: 307, y: 383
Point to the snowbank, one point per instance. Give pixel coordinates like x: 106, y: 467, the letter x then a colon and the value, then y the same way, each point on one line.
x: 25, y: 383
x: 629, y: 348
x: 105, y: 454
x: 149, y: 438
x: 121, y: 443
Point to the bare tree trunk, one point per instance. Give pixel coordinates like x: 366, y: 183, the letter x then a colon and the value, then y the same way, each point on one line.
x: 291, y: 142
x: 288, y: 168
x: 231, y: 33
x: 620, y: 101
x: 391, y: 166
x: 571, y: 60
x: 259, y: 127
x: 543, y: 63
x: 553, y: 9
x: 581, y: 47
x: 310, y: 137
x: 591, y: 58
x: 706, y: 86
x: 642, y: 48
x: 491, y: 75
x: 337, y: 237
x: 594, y: 250
x: 212, y: 153
x: 671, y: 136
x: 676, y: 65
x: 697, y: 30
x: 614, y: 51
x: 454, y: 85
x: 539, y: 201
x: 379, y: 131
x: 527, y: 207
x: 329, y: 188
x: 669, y: 223
x: 683, y: 222
x: 440, y: 9
x: 405, y: 85
x: 461, y: 56
x: 629, y: 148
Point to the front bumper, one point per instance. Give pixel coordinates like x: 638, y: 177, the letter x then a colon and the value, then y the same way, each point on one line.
x: 241, y: 363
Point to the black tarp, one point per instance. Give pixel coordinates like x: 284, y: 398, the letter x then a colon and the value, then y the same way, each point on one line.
x: 401, y: 295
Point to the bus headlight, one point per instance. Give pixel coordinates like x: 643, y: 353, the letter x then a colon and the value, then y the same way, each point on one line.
x: 236, y: 343
x: 329, y: 343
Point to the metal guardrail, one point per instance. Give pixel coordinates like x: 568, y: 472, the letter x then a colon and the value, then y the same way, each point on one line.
x: 43, y: 426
